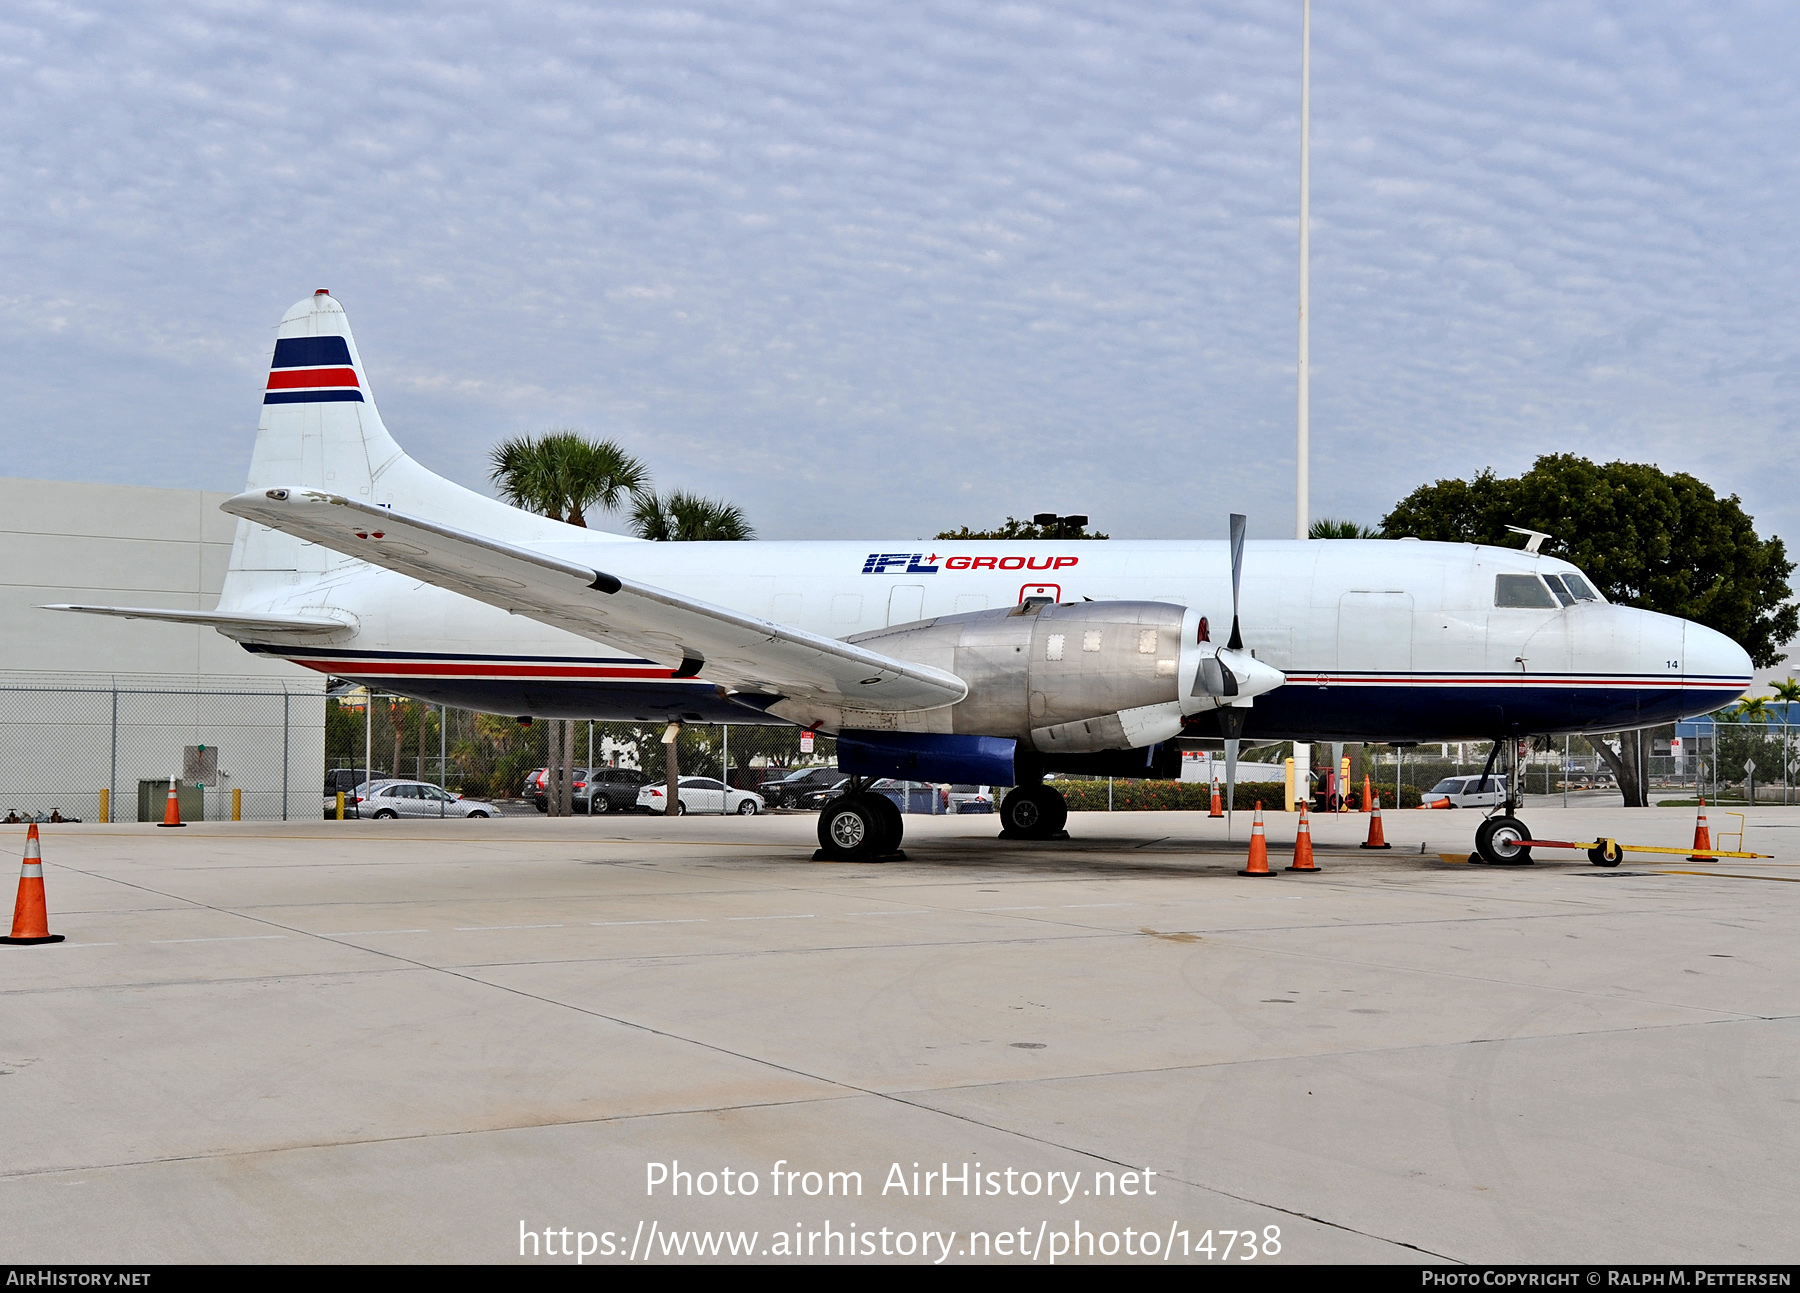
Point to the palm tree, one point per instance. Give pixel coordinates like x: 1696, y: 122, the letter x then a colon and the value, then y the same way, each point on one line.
x: 1751, y: 709
x: 1331, y: 528
x: 562, y: 474
x: 685, y: 517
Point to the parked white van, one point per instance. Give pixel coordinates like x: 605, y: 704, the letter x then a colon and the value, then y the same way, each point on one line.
x: 1468, y: 792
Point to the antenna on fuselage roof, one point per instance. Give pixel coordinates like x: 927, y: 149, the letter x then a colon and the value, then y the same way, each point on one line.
x: 1534, y: 538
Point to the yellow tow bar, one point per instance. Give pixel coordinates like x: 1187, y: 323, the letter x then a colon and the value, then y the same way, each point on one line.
x: 1613, y: 850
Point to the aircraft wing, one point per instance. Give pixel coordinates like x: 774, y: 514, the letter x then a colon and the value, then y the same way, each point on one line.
x: 694, y: 637
x: 235, y: 623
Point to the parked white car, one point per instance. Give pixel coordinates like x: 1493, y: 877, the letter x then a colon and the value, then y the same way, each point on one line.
x: 702, y: 795
x: 1462, y: 792
x: 384, y: 800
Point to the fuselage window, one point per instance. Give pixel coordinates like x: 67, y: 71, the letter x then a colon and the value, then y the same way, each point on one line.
x: 1522, y: 591
x: 1580, y: 587
x: 1563, y: 595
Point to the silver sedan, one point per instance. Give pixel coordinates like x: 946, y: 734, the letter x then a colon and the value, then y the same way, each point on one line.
x: 384, y: 800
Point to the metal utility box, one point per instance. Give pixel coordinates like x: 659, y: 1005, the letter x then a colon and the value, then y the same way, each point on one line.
x: 153, y: 800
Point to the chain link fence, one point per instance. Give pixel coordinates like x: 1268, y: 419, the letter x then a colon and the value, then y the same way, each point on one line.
x: 490, y: 756
x: 86, y: 749
x: 104, y: 749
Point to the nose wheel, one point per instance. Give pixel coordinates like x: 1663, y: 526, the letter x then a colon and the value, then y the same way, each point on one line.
x: 1502, y: 841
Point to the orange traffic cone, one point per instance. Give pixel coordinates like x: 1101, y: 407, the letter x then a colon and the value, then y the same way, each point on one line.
x: 172, y: 809
x: 1259, y: 847
x: 1303, y: 858
x: 1702, y: 835
x: 1217, y: 807
x: 31, y: 923
x: 1376, y: 839
x: 1365, y: 798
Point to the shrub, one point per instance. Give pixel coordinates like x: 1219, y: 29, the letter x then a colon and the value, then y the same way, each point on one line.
x: 1132, y: 796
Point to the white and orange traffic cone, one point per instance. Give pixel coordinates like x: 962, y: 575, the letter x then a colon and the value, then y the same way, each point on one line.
x: 1376, y: 839
x: 31, y: 922
x: 1365, y: 798
x: 172, y: 809
x: 1259, y: 847
x: 1303, y: 857
x: 1702, y: 836
x: 1218, y: 809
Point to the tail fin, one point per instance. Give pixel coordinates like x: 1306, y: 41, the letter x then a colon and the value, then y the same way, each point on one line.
x: 320, y: 429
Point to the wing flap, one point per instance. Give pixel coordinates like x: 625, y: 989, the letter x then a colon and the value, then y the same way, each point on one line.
x: 693, y: 637
x: 232, y: 623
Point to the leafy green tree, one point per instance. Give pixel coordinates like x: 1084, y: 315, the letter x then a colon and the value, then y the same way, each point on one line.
x: 1660, y: 540
x: 562, y: 474
x: 683, y: 517
x: 1327, y: 527
x: 1017, y: 529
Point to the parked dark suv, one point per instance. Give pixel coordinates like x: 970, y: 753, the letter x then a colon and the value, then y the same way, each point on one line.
x: 597, y: 790
x: 796, y: 786
x: 611, y: 790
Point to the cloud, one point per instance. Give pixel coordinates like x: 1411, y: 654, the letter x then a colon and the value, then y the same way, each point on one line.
x: 890, y: 269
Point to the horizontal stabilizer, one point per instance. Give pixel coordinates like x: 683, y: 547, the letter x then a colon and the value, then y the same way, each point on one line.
x: 233, y: 623
x: 694, y: 638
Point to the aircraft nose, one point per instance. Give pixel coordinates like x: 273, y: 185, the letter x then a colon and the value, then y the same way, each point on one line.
x: 1713, y: 661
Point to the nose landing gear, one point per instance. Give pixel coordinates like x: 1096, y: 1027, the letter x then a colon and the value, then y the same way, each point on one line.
x: 1503, y: 840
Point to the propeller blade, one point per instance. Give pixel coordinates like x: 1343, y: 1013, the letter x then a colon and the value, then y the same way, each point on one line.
x: 1232, y: 722
x: 1238, y: 524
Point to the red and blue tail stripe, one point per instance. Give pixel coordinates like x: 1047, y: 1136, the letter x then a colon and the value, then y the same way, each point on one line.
x: 312, y: 370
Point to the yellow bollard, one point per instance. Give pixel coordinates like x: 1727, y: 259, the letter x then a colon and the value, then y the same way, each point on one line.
x: 237, y: 803
x: 340, y: 806
x: 1288, y: 770
x: 105, y: 804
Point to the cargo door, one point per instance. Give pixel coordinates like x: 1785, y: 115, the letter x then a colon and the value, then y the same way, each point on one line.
x: 906, y: 603
x: 1374, y: 633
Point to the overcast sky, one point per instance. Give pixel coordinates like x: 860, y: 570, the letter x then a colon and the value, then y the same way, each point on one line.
x: 878, y: 269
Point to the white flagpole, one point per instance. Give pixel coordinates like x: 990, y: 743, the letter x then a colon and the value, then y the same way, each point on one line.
x: 1303, y: 430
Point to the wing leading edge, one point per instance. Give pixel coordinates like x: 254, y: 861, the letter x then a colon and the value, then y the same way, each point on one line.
x: 696, y: 638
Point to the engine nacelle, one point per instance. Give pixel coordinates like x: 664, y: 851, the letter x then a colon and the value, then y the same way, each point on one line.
x: 1061, y: 678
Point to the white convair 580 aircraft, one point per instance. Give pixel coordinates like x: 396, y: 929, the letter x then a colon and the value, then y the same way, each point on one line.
x: 974, y: 661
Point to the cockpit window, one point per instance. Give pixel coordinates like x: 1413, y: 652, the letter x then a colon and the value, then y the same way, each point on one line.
x: 1522, y: 591
x: 1563, y: 595
x: 1580, y: 587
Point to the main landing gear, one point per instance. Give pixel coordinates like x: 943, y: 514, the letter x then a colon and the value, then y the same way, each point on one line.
x: 1033, y: 813
x: 860, y: 826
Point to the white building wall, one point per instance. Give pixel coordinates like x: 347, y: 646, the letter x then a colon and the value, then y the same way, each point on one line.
x: 62, y: 675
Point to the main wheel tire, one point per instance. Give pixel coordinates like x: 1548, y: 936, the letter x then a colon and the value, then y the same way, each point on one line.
x: 1033, y: 812
x: 482, y: 815
x: 599, y: 804
x: 891, y: 819
x: 747, y: 808
x: 680, y: 809
x: 1606, y: 853
x: 1497, y: 840
x: 386, y: 815
x: 852, y: 828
